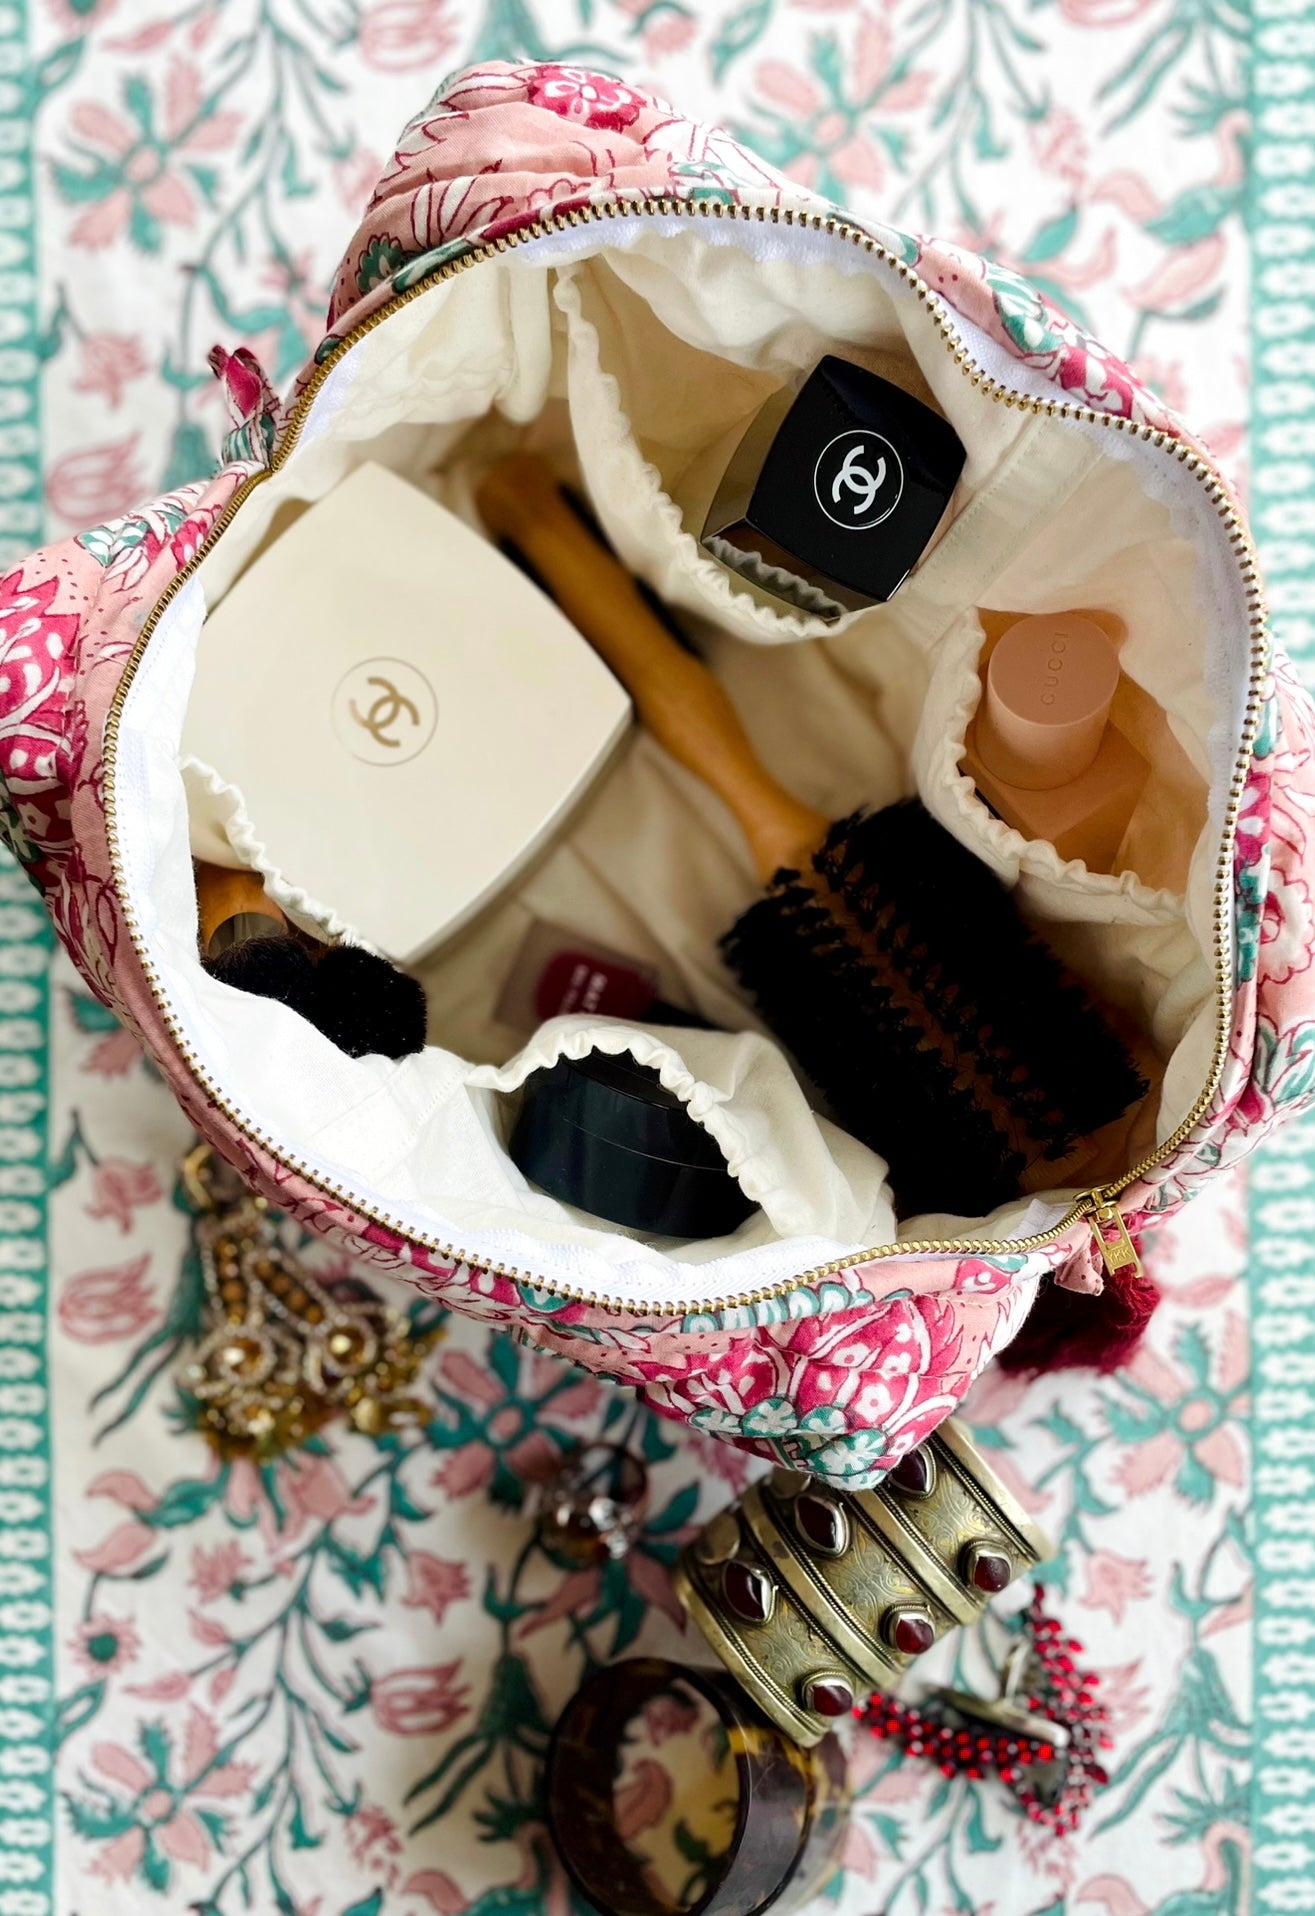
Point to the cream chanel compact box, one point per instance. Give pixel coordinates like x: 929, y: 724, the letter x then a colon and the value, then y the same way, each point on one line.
x: 407, y: 717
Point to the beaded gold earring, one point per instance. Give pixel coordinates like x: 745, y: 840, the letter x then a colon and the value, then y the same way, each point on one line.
x: 282, y: 1354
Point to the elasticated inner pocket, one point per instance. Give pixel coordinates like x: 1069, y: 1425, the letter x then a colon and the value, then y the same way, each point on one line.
x: 651, y: 498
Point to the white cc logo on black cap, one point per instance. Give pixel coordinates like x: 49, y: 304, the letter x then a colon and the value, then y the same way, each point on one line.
x: 858, y: 479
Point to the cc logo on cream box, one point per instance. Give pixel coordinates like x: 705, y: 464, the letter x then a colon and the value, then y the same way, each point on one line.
x: 384, y: 711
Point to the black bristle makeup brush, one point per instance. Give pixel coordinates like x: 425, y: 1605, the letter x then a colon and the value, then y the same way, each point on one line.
x: 888, y: 959
x: 364, y: 1005
x: 358, y: 1000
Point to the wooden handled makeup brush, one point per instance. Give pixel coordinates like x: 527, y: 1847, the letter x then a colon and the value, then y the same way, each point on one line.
x: 358, y: 1000
x: 884, y: 955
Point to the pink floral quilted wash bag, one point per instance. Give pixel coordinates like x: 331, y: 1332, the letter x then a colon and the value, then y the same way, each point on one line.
x: 553, y: 251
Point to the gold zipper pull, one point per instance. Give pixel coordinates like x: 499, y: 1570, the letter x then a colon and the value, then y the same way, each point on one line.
x: 1118, y: 1252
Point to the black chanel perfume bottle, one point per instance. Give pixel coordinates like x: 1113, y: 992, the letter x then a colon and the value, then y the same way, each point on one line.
x: 835, y: 490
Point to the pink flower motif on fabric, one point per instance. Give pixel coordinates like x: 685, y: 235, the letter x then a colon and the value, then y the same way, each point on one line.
x: 37, y: 657
x: 104, y: 1306
x: 1114, y: 1582
x: 94, y: 481
x: 113, y: 1056
x: 401, y: 36
x: 109, y: 362
x: 105, y: 1644
x: 976, y: 1274
x: 419, y: 1702
x: 434, y: 1584
x: 216, y: 1570
x: 192, y: 535
x: 1287, y: 929
x: 120, y: 1188
x: 592, y: 98
x: 127, y: 547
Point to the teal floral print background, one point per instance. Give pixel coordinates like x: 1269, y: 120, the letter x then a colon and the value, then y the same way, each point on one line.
x: 224, y: 151
x: 325, y: 1688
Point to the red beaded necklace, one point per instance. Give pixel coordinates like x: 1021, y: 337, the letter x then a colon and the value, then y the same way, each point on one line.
x: 1041, y: 1738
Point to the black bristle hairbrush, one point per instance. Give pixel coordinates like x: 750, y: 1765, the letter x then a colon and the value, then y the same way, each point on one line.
x: 884, y: 955
x: 955, y: 1042
x: 358, y: 1000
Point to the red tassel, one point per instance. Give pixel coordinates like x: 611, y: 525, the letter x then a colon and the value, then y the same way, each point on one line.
x: 1066, y: 1330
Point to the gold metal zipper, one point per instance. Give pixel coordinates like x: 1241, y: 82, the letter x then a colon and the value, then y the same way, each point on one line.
x: 1110, y: 1230
x: 1098, y: 1206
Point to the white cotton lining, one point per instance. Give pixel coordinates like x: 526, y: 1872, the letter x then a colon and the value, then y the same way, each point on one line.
x: 634, y: 366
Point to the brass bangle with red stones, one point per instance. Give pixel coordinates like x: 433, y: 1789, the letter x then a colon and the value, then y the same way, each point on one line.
x: 813, y: 1597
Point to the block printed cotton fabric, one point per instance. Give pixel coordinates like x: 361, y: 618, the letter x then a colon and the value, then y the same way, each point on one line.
x: 325, y: 1688
x: 840, y: 1377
